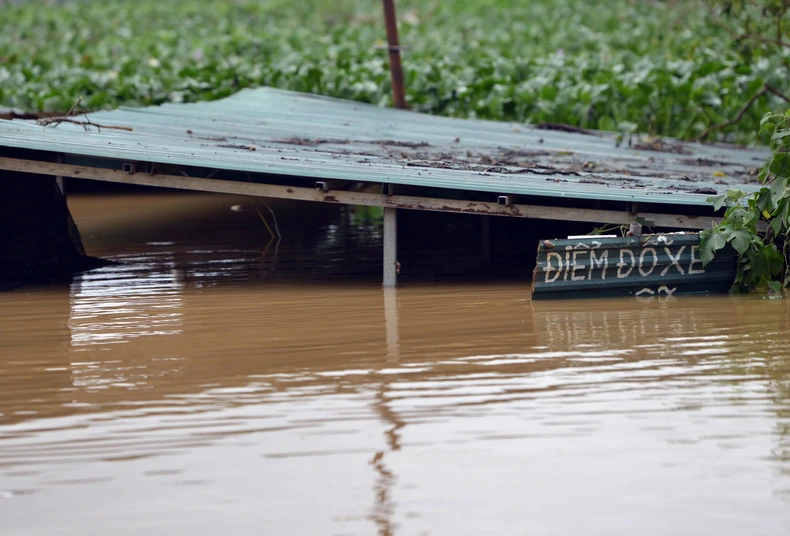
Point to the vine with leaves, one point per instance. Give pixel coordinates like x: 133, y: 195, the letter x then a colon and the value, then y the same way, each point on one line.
x: 757, y: 224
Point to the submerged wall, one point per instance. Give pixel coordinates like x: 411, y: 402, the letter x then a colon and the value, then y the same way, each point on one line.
x: 38, y: 238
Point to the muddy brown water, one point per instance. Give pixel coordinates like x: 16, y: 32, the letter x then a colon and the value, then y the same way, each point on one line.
x: 203, y: 385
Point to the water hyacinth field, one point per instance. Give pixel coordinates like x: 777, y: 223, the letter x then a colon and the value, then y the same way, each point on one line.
x: 660, y: 68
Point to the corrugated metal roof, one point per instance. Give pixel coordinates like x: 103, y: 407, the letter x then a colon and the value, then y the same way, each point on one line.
x: 320, y: 138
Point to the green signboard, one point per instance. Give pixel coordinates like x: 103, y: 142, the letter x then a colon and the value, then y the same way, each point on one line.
x: 647, y: 265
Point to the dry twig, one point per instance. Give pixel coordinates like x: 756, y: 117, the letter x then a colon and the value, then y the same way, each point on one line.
x: 71, y: 110
x: 55, y: 121
x: 274, y: 216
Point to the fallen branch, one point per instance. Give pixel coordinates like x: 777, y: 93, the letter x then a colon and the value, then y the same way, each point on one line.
x: 561, y: 127
x: 59, y: 119
x: 55, y: 121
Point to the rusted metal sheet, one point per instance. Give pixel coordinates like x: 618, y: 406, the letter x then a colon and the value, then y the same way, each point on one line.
x: 644, y: 266
x: 391, y: 22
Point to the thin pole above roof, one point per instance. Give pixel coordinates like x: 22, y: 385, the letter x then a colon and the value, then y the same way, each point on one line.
x: 391, y: 21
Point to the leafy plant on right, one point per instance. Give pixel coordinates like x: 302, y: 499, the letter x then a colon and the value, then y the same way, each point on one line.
x: 756, y: 225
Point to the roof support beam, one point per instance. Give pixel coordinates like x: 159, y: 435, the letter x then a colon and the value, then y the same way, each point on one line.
x: 354, y: 198
x: 390, y: 247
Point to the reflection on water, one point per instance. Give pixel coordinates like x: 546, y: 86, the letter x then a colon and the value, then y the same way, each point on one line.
x: 190, y: 389
x: 118, y: 303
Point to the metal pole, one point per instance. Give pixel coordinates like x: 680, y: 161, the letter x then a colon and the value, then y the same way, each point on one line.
x: 390, y: 247
x: 391, y: 323
x: 391, y: 21
x: 635, y: 229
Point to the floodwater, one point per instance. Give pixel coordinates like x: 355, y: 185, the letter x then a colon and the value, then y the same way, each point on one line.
x: 206, y: 385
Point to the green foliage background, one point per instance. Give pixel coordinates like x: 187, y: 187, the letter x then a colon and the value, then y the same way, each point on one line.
x: 663, y: 68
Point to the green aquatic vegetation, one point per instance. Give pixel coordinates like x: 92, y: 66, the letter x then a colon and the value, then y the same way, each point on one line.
x: 660, y: 68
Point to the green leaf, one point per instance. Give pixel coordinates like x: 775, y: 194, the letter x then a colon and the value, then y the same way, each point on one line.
x: 738, y: 216
x: 775, y: 286
x: 735, y: 194
x: 710, y: 244
x: 763, y: 201
x: 776, y: 225
x: 776, y: 261
x: 767, y: 117
x: 741, y: 240
x: 718, y: 201
x: 779, y: 164
x: 759, y: 270
x: 782, y: 212
x: 768, y: 128
x: 778, y: 189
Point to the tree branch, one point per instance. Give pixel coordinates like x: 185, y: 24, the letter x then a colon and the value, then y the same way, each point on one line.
x: 777, y: 93
x: 738, y: 37
x: 737, y: 118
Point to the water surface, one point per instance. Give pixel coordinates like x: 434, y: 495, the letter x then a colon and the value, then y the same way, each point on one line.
x: 205, y: 385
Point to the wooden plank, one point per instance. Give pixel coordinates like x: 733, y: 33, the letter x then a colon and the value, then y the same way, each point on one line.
x: 353, y: 198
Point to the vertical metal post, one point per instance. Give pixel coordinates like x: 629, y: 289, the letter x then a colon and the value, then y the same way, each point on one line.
x: 485, y: 240
x: 390, y: 247
x: 391, y: 323
x: 391, y: 21
x: 636, y: 228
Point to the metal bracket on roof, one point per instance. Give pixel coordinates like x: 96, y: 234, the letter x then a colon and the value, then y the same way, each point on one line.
x: 635, y: 229
x: 506, y: 200
x: 140, y: 167
x: 325, y: 186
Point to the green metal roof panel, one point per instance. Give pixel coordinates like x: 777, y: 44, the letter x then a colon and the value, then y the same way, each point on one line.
x: 320, y: 138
